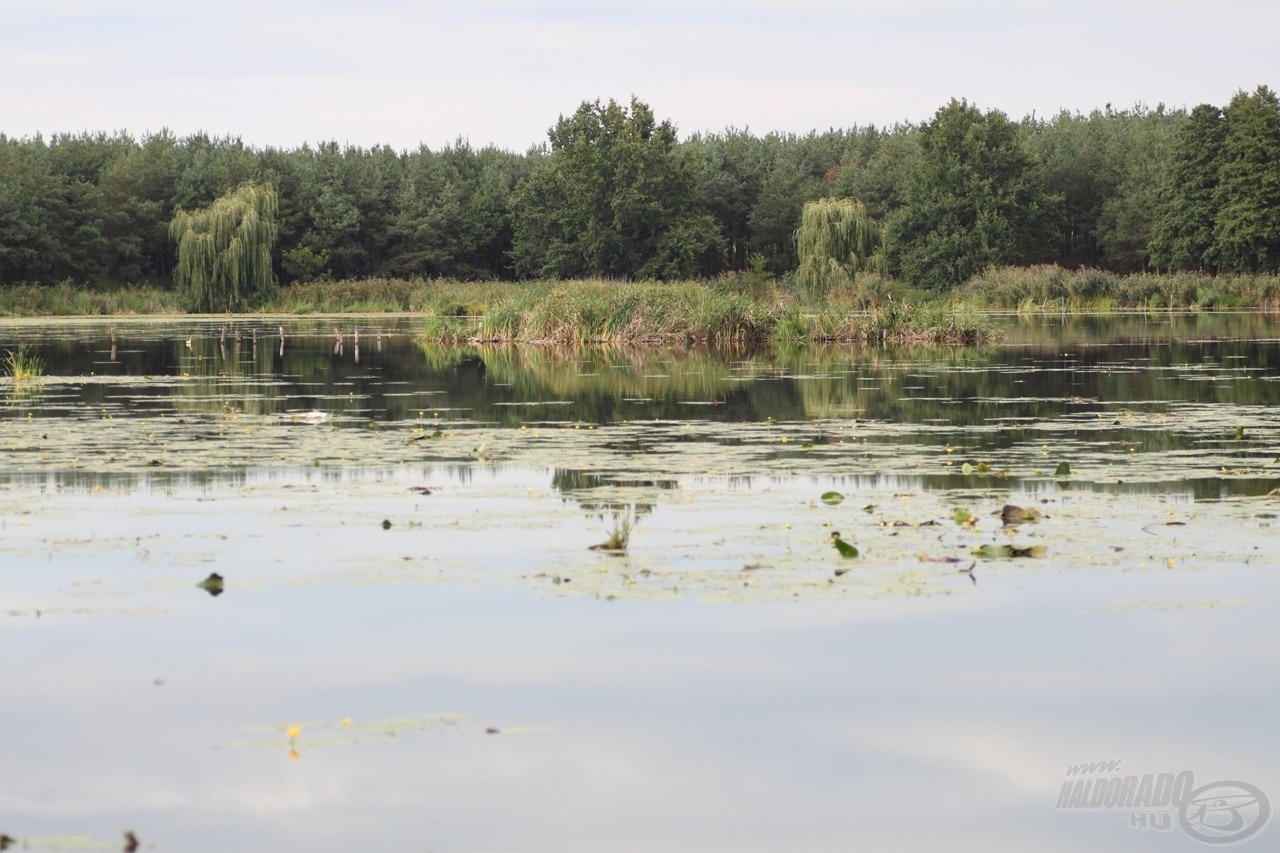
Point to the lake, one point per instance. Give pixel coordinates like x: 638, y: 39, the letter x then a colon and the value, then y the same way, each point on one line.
x: 414, y: 645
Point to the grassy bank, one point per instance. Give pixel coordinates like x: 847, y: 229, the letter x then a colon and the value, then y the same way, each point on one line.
x: 68, y: 300
x: 742, y: 309
x: 1055, y: 289
x: 731, y: 310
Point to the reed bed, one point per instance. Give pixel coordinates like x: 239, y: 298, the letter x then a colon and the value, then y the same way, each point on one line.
x: 583, y: 313
x: 1054, y: 289
x: 69, y: 300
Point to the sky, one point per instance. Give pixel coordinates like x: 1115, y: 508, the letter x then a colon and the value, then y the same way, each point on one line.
x: 500, y: 72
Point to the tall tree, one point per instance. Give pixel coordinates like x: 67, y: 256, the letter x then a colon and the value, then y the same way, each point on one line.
x: 1182, y: 230
x: 224, y: 250
x: 975, y: 201
x: 138, y: 187
x: 1144, y: 138
x: 615, y: 197
x: 1247, y: 230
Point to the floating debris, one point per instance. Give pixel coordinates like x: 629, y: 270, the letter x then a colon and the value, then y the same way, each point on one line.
x: 1011, y: 515
x: 314, y: 416
x: 996, y: 552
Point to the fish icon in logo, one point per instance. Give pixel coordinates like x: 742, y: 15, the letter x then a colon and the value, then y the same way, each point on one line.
x: 1225, y: 813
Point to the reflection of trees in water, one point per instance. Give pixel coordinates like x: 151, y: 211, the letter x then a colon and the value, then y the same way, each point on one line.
x: 601, y: 494
x: 227, y: 374
x: 1047, y: 369
x: 82, y: 481
x: 961, y: 387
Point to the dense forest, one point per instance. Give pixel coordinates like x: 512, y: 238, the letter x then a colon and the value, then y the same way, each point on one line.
x: 615, y: 193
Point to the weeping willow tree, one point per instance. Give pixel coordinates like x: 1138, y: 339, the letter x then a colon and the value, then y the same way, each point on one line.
x: 836, y: 240
x: 224, y: 250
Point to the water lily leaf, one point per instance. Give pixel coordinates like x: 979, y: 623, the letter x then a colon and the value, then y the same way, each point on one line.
x: 963, y: 516
x: 832, y: 498
x: 844, y: 548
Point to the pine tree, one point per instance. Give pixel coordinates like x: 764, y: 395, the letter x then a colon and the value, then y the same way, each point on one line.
x: 1247, y: 230
x: 1182, y: 232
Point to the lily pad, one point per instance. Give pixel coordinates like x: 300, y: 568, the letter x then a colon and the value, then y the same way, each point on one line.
x: 844, y: 548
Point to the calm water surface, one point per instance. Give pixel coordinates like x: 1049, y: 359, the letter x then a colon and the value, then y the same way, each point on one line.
x: 416, y: 650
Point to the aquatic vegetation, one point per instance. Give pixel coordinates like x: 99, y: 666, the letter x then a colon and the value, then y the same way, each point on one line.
x: 22, y: 365
x: 212, y: 584
x: 1054, y: 289
x: 67, y: 299
x: 620, y: 536
x: 843, y: 548
x: 606, y: 312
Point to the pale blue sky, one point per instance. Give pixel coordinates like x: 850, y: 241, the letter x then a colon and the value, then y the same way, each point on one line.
x: 501, y: 71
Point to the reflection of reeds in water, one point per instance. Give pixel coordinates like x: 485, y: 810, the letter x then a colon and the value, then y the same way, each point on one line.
x: 830, y: 381
x: 225, y: 373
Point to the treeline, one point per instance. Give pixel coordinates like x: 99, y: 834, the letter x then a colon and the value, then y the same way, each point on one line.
x: 615, y: 193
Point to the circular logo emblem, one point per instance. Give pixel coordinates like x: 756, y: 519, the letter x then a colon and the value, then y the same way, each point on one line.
x: 1224, y: 813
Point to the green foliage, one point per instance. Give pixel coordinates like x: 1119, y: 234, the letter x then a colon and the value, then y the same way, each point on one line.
x: 22, y: 365
x: 303, y: 264
x: 1125, y: 226
x: 835, y: 240
x: 617, y: 195
x: 615, y: 198
x: 1050, y: 288
x: 974, y: 202
x: 451, y: 213
x: 1247, y: 228
x: 65, y: 299
x: 224, y: 250
x: 1182, y: 230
